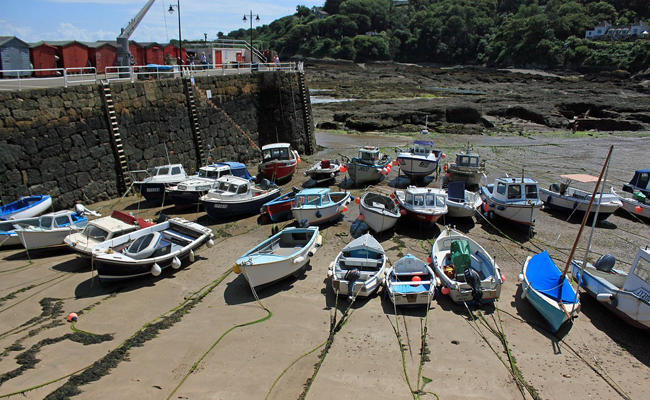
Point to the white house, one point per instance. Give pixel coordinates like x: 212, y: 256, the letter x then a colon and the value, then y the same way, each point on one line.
x: 598, y: 31
x: 606, y: 30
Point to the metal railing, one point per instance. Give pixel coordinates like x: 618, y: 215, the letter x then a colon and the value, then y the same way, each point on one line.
x: 19, y: 79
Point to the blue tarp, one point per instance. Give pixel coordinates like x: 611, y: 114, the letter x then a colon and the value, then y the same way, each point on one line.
x: 238, y: 169
x: 456, y: 191
x: 545, y: 277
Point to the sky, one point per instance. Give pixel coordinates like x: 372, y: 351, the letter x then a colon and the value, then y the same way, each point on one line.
x: 92, y: 20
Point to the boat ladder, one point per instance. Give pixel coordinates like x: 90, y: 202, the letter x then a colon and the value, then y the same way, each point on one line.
x: 306, y: 112
x: 194, y: 120
x: 116, y: 139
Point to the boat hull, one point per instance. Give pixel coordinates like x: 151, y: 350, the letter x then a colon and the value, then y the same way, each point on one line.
x: 36, y: 238
x: 321, y: 215
x: 635, y: 207
x: 404, y: 289
x: 219, y: 209
x: 185, y: 198
x: 417, y: 167
x: 152, y: 191
x: 570, y: 204
x: 379, y: 219
x: 26, y: 207
x: 465, y: 209
x: 471, y: 178
x: 279, y: 171
x: 111, y: 271
x: 523, y: 214
x: 361, y: 173
x: 280, y: 208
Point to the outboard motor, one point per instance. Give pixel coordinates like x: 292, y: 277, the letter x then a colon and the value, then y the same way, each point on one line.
x: 474, y: 281
x: 605, y: 263
x: 352, y: 276
x: 303, y: 223
x: 265, y: 184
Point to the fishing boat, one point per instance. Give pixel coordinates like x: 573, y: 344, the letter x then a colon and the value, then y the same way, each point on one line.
x: 233, y: 195
x: 567, y: 198
x: 158, y: 179
x: 8, y: 235
x: 425, y: 205
x: 379, y: 212
x: 188, y: 192
x: 634, y: 203
x: 411, y: 282
x: 468, y: 168
x: 279, y: 162
x: 279, y: 209
x: 319, y: 205
x: 102, y: 229
x: 515, y: 200
x: 284, y: 254
x: 369, y: 166
x: 324, y: 170
x: 462, y: 203
x: 51, y: 229
x: 467, y: 271
x: 420, y: 160
x: 359, y: 269
x: 640, y: 182
x: 25, y: 207
x: 149, y: 250
x: 626, y: 294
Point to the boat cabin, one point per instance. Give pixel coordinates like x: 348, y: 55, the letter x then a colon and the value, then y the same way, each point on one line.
x: 214, y: 171
x: 419, y: 198
x: 369, y: 155
x: 422, y: 148
x: 638, y: 280
x: 640, y: 182
x: 172, y: 172
x: 60, y: 219
x: 276, y: 151
x: 231, y: 185
x: 313, y: 198
x: 515, y: 189
x: 470, y: 161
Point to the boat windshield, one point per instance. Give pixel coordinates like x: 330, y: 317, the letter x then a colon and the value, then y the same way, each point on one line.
x: 309, y: 200
x: 62, y: 221
x: 466, y: 161
x: 642, y: 270
x: 431, y: 200
x: 418, y: 200
x: 369, y: 156
x: 45, y: 222
x: 208, y: 174
x: 141, y: 243
x: 95, y: 232
x: 409, y: 198
x: 514, y: 192
x: 276, y: 154
x: 162, y: 171
x: 531, y: 192
x: 440, y: 200
x: 501, y: 188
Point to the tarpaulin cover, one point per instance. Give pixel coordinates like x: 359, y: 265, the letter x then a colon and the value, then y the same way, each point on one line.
x: 460, y: 255
x: 545, y: 277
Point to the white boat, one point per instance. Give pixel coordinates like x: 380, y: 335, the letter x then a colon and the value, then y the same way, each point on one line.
x: 51, y: 229
x: 626, y: 294
x: 279, y: 162
x: 148, y: 251
x: 567, y: 198
x: 411, y: 282
x: 634, y: 203
x: 8, y: 235
x: 102, y: 229
x: 25, y: 207
x: 379, y: 212
x: 462, y: 203
x: 283, y: 254
x: 318, y: 206
x: 324, y: 170
x: 188, y: 192
x: 425, y: 205
x: 468, y: 168
x: 359, y: 269
x: 465, y: 268
x: 420, y: 160
x: 232, y: 195
x: 158, y: 179
x: 369, y: 166
x: 513, y: 199
x: 640, y: 182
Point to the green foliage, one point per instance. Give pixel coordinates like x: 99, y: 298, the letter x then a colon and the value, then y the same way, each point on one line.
x: 541, y: 33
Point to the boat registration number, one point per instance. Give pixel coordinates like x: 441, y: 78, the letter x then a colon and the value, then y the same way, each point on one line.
x: 424, y: 164
x: 364, y: 168
x: 151, y: 190
x: 220, y: 206
x: 643, y: 294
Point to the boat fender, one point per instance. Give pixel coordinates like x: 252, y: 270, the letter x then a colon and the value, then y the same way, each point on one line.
x: 524, y: 293
x: 330, y: 270
x: 191, y: 256
x: 331, y: 174
x: 298, y: 260
x: 319, y: 241
x: 501, y: 208
x: 520, y: 277
x: 318, y: 214
x: 236, y: 269
x: 310, y: 254
x: 176, y: 263
x: 156, y: 270
x: 210, y: 243
x: 605, y: 297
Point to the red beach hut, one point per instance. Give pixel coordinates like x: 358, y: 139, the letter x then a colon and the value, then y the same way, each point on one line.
x: 153, y: 53
x: 72, y: 54
x: 101, y: 55
x: 43, y: 56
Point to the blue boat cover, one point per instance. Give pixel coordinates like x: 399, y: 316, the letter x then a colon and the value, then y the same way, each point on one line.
x: 238, y: 169
x: 415, y: 288
x: 545, y: 277
x: 456, y: 191
x: 423, y: 142
x: 640, y: 178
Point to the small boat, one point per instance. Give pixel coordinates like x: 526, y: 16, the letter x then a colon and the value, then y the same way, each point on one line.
x: 566, y: 198
x: 8, y: 235
x: 465, y: 268
x: 188, y: 192
x: 635, y: 203
x: 149, y: 250
x: 318, y: 206
x: 626, y: 294
x: 233, y: 195
x: 512, y: 199
x: 25, y: 207
x: 468, y: 168
x: 102, y: 229
x: 368, y: 166
x: 324, y: 170
x: 640, y: 182
x: 279, y: 162
x: 379, y: 212
x: 425, y: 205
x: 283, y: 254
x: 421, y: 160
x: 359, y: 269
x: 411, y: 282
x: 279, y: 209
x: 462, y: 203
x: 548, y: 290
x: 52, y: 229
x: 160, y: 178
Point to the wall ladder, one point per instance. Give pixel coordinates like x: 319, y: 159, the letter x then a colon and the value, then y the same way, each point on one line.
x: 124, y: 177
x: 306, y: 112
x: 194, y: 121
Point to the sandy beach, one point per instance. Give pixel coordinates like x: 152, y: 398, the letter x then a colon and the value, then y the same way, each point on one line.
x: 200, y: 333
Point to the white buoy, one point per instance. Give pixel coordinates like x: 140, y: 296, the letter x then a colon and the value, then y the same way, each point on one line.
x: 176, y: 263
x: 156, y: 270
x: 298, y: 259
x: 520, y: 277
x: 210, y: 243
x: 191, y: 256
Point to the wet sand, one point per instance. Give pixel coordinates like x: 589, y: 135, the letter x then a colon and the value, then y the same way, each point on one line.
x: 191, y: 333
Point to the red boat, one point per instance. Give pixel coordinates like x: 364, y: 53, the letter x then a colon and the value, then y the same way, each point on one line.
x: 279, y: 161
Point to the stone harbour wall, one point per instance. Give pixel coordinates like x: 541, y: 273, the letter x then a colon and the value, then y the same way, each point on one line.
x: 57, y: 141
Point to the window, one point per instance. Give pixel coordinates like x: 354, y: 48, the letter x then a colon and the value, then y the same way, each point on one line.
x: 313, y: 200
x: 326, y: 199
x: 409, y: 198
x: 61, y: 221
x: 514, y: 192
x: 440, y: 199
x: 242, y: 189
x: 531, y: 191
x: 501, y: 188
x: 203, y: 173
x: 431, y: 200
x: 96, y: 233
x: 473, y: 162
x: 176, y: 171
x: 418, y: 200
x: 46, y: 222
x: 163, y: 171
x: 141, y: 243
x: 642, y: 270
x: 463, y: 161
x: 600, y: 31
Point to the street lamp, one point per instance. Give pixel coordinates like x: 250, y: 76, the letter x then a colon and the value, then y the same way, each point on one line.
x: 180, y: 40
x: 257, y: 19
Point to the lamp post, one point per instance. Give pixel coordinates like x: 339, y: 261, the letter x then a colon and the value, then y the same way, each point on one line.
x: 180, y: 40
x: 257, y: 19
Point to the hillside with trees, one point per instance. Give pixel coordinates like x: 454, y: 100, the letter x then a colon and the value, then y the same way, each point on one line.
x: 531, y: 33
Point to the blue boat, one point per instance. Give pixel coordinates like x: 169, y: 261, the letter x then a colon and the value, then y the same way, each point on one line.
x: 639, y: 183
x: 321, y: 205
x: 280, y: 208
x: 548, y: 290
x: 25, y: 207
x: 233, y: 195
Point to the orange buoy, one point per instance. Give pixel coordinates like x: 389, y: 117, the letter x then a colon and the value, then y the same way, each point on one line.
x: 357, y: 200
x: 416, y: 280
x: 72, y: 317
x: 445, y: 290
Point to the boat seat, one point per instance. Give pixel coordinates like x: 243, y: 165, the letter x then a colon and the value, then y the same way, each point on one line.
x: 178, y: 235
x: 368, y: 263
